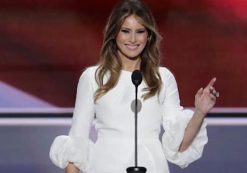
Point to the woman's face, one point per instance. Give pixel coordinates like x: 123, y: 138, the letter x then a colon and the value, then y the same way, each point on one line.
x: 131, y: 39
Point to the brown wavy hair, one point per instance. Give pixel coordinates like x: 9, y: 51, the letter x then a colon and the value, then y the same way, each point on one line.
x: 110, y: 63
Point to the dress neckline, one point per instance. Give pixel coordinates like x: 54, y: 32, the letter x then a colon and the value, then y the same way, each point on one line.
x: 126, y: 71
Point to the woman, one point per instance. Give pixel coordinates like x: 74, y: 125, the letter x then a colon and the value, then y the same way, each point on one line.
x: 105, y: 93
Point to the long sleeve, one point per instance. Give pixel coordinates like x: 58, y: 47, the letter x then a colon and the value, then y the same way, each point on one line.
x: 175, y: 121
x: 75, y: 147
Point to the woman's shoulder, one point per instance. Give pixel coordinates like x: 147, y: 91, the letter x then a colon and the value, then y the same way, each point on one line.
x: 89, y: 71
x: 165, y: 73
x: 88, y: 74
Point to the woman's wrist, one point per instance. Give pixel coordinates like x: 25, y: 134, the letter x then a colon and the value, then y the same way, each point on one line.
x: 200, y: 113
x: 71, y: 168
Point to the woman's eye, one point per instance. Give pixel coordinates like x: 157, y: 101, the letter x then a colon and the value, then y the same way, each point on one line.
x: 141, y: 31
x: 124, y: 31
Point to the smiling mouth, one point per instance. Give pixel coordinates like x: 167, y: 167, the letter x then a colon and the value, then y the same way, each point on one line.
x: 132, y: 47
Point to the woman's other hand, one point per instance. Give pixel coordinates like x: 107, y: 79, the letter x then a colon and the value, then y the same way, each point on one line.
x: 205, y: 99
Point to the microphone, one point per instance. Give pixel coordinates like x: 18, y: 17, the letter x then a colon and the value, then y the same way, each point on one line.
x: 136, y: 78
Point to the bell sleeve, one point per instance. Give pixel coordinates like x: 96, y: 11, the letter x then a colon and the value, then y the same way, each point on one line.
x: 75, y: 147
x: 175, y: 121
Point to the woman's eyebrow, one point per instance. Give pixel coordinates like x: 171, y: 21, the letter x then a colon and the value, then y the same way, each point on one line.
x: 138, y: 29
x: 125, y: 28
x: 141, y: 29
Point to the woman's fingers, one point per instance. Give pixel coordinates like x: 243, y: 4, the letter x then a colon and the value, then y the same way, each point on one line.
x: 214, y: 92
x: 211, y: 83
x: 199, y: 92
x: 213, y: 97
x: 210, y: 88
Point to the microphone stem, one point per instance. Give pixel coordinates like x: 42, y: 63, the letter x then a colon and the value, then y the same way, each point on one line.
x: 136, y: 128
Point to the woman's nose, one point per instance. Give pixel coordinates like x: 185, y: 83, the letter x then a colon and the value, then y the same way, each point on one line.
x: 133, y: 38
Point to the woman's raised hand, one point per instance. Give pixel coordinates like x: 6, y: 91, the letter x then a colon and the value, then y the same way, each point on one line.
x: 205, y: 99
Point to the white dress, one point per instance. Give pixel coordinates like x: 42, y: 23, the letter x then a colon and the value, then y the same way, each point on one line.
x: 113, y: 118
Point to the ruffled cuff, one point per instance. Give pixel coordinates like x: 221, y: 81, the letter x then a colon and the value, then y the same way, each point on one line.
x: 67, y: 149
x: 173, y: 137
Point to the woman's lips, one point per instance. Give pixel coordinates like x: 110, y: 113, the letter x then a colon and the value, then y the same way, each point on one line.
x: 132, y: 47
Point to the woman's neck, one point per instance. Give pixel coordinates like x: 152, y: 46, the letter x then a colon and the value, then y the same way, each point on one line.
x: 131, y: 64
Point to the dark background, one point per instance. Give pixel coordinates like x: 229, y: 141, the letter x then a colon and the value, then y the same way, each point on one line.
x: 45, y: 45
